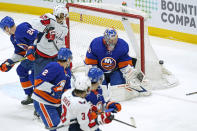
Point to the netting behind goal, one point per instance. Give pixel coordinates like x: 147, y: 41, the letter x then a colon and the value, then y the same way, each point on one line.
x: 88, y: 21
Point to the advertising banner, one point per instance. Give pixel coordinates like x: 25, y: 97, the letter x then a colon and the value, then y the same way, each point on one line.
x: 175, y: 15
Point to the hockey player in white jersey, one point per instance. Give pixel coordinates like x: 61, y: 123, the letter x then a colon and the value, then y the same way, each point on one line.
x: 53, y: 31
x: 76, y: 111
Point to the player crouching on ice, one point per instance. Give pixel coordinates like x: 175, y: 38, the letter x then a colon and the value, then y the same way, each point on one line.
x: 77, y: 114
x: 25, y: 68
x: 52, y: 82
x: 96, y: 97
x: 110, y: 54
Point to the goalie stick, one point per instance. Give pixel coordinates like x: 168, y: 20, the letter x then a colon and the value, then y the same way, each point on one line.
x: 130, y: 88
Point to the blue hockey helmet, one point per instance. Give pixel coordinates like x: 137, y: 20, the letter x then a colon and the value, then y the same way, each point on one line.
x: 111, y: 38
x: 6, y: 21
x: 95, y: 74
x: 64, y: 54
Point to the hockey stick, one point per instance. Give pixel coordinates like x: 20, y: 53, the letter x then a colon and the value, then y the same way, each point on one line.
x: 192, y: 93
x: 131, y: 125
x: 131, y: 119
x: 54, y: 128
x: 22, y: 59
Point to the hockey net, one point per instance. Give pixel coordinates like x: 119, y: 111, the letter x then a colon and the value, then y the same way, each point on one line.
x: 89, y: 20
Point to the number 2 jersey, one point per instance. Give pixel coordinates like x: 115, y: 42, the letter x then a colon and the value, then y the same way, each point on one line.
x: 46, y: 90
x: 108, y: 61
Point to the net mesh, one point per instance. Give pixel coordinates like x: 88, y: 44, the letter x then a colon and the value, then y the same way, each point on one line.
x: 85, y: 25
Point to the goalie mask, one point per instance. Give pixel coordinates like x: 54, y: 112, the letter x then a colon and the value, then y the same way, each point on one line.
x: 111, y: 38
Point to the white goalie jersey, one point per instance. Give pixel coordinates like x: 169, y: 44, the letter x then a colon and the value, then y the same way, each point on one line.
x: 75, y: 109
x: 61, y: 30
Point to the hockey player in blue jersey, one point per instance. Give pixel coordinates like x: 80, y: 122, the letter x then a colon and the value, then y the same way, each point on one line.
x: 50, y: 84
x: 110, y: 54
x: 96, y: 97
x: 23, y: 70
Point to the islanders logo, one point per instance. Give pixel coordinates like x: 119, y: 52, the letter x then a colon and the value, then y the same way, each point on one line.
x: 108, y: 63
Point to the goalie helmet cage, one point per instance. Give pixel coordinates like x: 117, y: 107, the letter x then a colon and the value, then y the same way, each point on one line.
x: 87, y: 21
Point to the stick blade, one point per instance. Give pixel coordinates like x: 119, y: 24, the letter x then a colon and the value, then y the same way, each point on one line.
x: 132, y: 120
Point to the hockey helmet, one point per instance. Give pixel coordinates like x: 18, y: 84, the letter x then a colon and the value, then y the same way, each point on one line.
x: 64, y: 54
x: 82, y: 83
x: 6, y: 21
x: 58, y: 9
x: 95, y: 74
x: 111, y: 38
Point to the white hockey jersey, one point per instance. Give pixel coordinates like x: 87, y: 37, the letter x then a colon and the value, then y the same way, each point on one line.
x: 77, y: 109
x: 61, y: 30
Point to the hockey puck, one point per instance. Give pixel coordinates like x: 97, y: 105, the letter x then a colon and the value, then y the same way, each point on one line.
x: 161, y: 62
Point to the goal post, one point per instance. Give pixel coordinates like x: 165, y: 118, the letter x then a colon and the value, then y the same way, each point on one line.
x: 87, y: 21
x: 123, y: 14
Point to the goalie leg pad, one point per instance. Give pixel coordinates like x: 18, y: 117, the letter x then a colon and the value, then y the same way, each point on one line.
x: 122, y: 93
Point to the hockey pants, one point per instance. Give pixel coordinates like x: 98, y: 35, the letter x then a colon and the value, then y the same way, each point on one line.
x: 26, y: 75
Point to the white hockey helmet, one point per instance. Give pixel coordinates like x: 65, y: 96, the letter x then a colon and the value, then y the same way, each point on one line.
x: 58, y: 9
x: 82, y: 83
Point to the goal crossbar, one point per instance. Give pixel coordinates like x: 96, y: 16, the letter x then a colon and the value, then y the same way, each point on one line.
x: 123, y: 14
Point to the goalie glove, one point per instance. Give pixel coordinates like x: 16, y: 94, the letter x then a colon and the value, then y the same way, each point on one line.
x: 132, y: 76
x: 7, y: 65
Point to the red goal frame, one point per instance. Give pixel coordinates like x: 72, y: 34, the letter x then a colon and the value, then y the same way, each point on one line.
x: 140, y: 18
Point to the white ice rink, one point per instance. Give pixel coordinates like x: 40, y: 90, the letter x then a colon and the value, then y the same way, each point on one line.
x: 165, y: 110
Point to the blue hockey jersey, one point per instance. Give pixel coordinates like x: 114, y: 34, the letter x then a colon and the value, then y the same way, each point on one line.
x: 25, y: 35
x: 17, y: 49
x: 108, y: 61
x: 50, y: 84
x: 96, y: 98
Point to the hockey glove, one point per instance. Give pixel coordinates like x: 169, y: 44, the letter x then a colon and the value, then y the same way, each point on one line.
x: 104, y: 118
x: 30, y: 53
x: 7, y: 65
x: 50, y: 34
x: 113, y: 105
x: 45, y: 20
x: 57, y: 90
